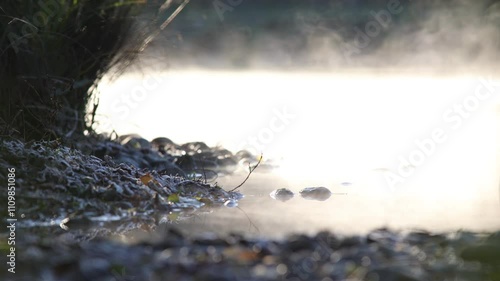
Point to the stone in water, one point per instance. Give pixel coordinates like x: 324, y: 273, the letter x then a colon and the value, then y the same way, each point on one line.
x: 316, y: 193
x: 282, y: 194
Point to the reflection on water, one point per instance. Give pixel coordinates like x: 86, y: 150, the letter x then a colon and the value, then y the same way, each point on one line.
x: 356, y: 212
x: 409, y: 151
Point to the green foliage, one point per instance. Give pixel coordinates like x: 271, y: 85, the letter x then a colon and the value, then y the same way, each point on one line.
x: 52, y: 54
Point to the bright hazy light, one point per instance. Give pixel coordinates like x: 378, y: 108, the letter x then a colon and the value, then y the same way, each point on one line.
x: 322, y: 128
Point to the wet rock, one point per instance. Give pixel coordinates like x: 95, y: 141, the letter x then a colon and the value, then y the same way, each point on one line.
x: 382, y: 235
x: 162, y: 144
x: 300, y: 242
x: 164, y: 155
x: 327, y: 239
x: 136, y: 142
x: 210, y: 239
x: 316, y: 193
x: 352, y: 241
x: 244, y: 155
x: 123, y: 205
x: 125, y: 138
x: 205, y: 162
x: 227, y: 165
x: 195, y: 147
x: 222, y: 153
x: 282, y: 194
x: 166, y: 167
x: 421, y: 236
x: 186, y: 162
x: 231, y: 203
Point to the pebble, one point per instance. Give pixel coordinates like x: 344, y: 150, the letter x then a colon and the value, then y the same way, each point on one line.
x: 315, y: 193
x: 282, y: 194
x: 231, y: 203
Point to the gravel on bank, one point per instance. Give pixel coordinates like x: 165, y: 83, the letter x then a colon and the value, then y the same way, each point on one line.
x: 56, y: 184
x: 382, y: 255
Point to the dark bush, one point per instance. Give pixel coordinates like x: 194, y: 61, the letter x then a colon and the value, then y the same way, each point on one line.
x: 52, y: 54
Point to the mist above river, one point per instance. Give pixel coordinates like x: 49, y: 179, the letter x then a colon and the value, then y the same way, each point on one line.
x: 444, y: 36
x: 392, y: 104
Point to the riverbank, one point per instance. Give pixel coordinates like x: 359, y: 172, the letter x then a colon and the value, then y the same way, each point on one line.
x: 76, y: 206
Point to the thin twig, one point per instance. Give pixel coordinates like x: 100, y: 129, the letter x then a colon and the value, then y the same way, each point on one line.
x: 251, y: 171
x: 249, y: 220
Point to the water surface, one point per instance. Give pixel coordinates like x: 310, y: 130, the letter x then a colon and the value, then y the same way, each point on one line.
x: 409, y: 150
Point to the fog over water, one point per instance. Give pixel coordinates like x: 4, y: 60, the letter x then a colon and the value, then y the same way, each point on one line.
x: 406, y: 124
x: 431, y: 36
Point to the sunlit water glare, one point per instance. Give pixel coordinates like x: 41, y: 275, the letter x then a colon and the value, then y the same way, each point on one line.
x: 429, y: 143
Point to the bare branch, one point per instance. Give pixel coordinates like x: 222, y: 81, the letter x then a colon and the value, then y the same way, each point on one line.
x: 251, y: 169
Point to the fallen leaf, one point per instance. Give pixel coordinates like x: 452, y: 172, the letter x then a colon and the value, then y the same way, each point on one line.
x: 146, y: 178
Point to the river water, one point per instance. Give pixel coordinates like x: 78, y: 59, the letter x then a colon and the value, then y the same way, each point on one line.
x: 404, y: 151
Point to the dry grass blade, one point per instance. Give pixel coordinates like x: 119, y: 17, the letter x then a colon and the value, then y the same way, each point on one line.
x: 164, y: 24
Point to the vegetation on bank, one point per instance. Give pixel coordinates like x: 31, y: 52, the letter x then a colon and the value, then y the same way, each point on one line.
x: 52, y: 55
